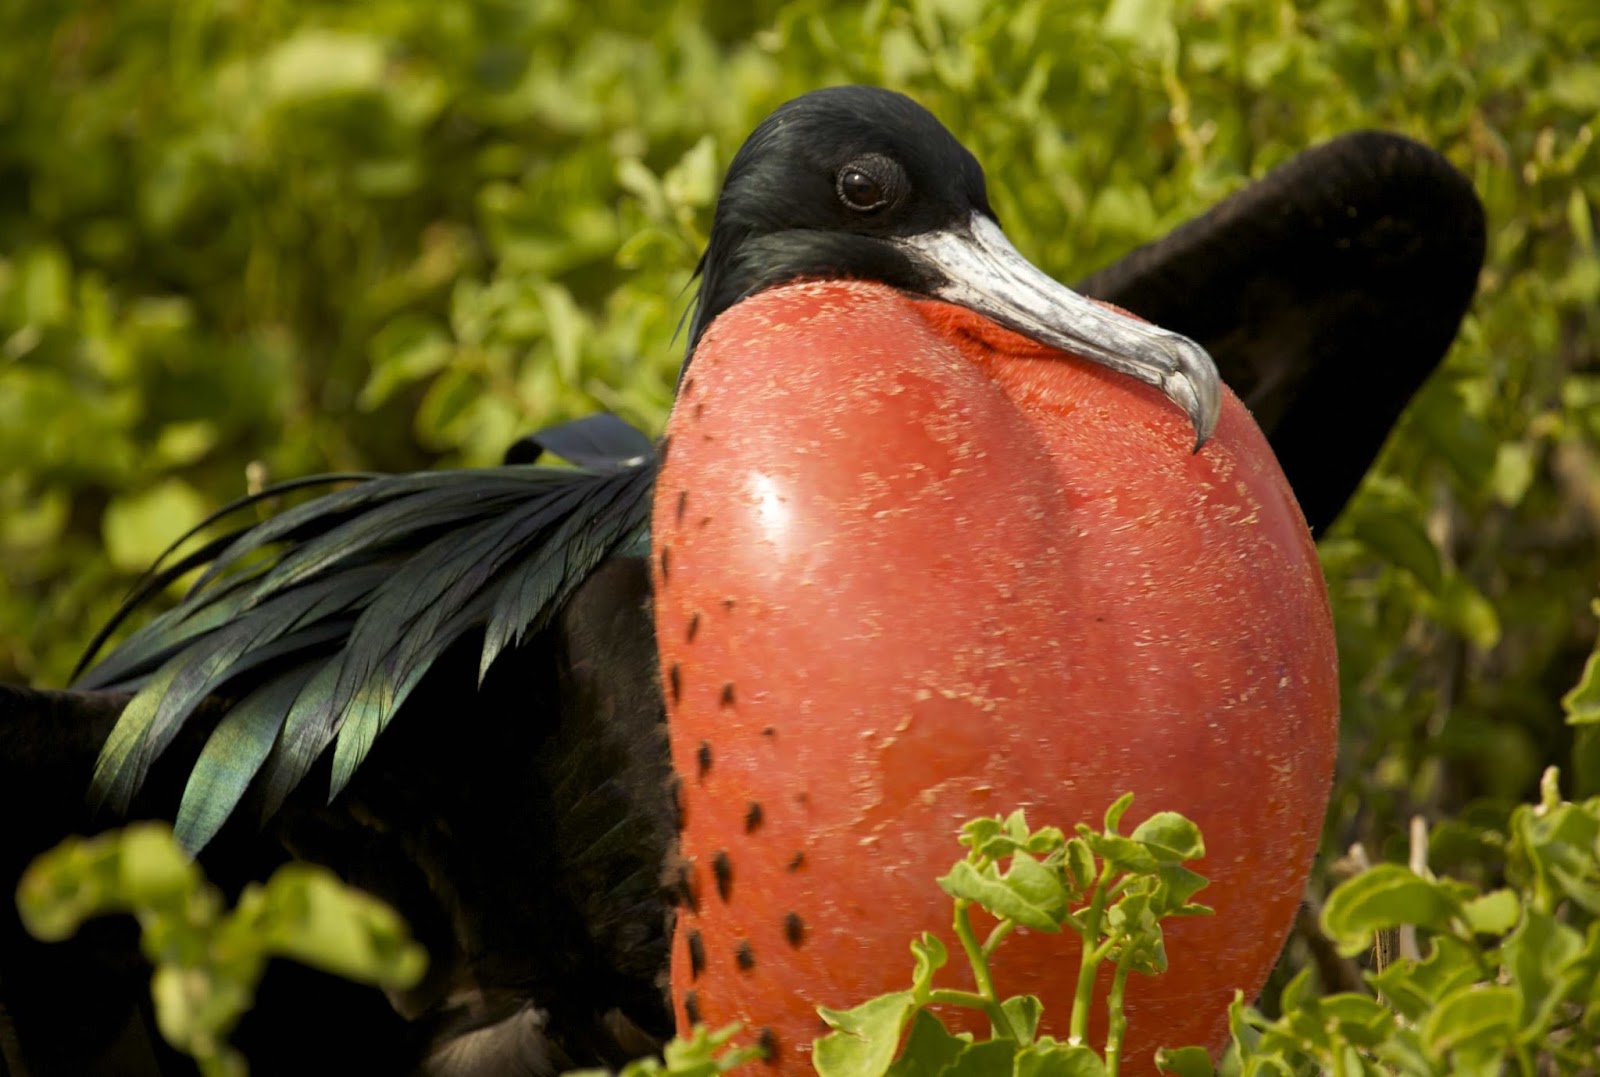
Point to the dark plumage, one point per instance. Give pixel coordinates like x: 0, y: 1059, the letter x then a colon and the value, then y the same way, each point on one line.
x: 1327, y: 292
x: 444, y: 686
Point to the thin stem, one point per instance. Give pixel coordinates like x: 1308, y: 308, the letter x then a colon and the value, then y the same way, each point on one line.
x: 975, y: 954
x: 1103, y: 951
x: 997, y: 936
x: 1117, y: 1024
x: 1079, y: 1029
x: 1341, y: 1068
x: 950, y: 996
x: 979, y: 960
x: 1574, y: 1058
x: 222, y: 1062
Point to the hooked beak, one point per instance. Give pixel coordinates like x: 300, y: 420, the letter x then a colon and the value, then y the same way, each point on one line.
x: 983, y: 272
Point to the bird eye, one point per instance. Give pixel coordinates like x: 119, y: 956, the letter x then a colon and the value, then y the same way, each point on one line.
x: 860, y: 190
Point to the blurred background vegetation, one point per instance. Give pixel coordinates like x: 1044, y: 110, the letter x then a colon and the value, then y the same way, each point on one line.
x: 251, y: 239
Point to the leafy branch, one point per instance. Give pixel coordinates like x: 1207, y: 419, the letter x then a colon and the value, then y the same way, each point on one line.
x: 1510, y: 982
x: 208, y: 960
x: 1112, y: 890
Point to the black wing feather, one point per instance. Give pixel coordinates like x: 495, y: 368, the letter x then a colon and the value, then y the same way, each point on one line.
x: 335, y: 609
x: 234, y: 753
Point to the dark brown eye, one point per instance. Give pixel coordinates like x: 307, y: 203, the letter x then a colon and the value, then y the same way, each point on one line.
x: 860, y: 190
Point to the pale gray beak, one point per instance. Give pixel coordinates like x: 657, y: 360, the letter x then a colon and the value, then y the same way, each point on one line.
x: 984, y: 272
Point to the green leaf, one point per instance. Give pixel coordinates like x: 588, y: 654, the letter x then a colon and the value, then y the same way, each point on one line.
x: 1177, y: 886
x: 1296, y: 993
x: 323, y: 63
x: 1016, y: 825
x: 1118, y: 809
x: 865, y: 1038
x: 1542, y: 956
x: 693, y: 182
x: 635, y: 177
x: 1553, y: 844
x: 1045, y: 840
x: 930, y: 955
x: 1079, y: 863
x: 976, y: 834
x: 45, y: 286
x: 1023, y: 1012
x: 139, y: 527
x: 1493, y: 913
x: 207, y: 964
x: 566, y: 327
x: 1142, y: 24
x: 306, y: 913
x: 1048, y: 1058
x: 1039, y: 886
x: 195, y: 1007
x: 186, y: 442
x: 1466, y: 610
x: 1241, y: 1025
x: 1142, y: 947
x: 985, y: 1058
x: 1386, y: 896
x: 1360, y: 1019
x: 1171, y: 838
x: 151, y: 868
x: 138, y: 866
x: 407, y: 350
x: 1515, y: 466
x: 1403, y: 1054
x: 1448, y: 424
x: 1123, y: 210
x: 996, y: 839
x: 1027, y: 900
x: 929, y: 1047
x: 702, y: 1054
x: 1400, y: 538
x: 1474, y: 1018
x: 1582, y: 703
x: 1414, y: 987
x: 1123, y: 854
x: 1185, y: 1062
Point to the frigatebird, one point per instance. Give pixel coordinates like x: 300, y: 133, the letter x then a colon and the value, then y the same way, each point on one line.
x: 444, y: 685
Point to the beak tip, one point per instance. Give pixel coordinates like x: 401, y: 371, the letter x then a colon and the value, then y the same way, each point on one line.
x: 1204, y: 417
x: 1196, y: 385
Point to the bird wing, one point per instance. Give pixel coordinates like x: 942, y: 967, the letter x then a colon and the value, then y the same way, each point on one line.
x: 1327, y: 292
x: 322, y: 620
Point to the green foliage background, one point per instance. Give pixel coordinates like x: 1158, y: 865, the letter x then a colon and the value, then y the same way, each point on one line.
x: 243, y: 239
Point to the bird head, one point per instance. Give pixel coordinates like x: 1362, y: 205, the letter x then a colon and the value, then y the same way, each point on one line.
x: 857, y: 182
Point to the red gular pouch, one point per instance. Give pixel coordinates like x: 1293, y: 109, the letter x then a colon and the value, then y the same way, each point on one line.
x: 912, y: 567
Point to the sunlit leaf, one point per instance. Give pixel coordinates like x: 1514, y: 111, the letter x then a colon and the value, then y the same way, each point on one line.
x: 1386, y: 896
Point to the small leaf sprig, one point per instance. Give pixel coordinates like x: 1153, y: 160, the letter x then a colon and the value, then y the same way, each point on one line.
x: 208, y: 959
x: 703, y: 1053
x: 1507, y: 981
x: 1112, y: 890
